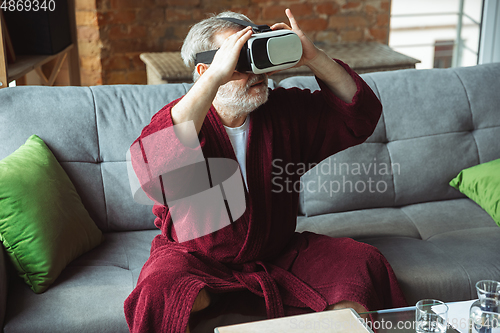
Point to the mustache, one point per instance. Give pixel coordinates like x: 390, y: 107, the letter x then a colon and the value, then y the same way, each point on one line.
x: 257, y: 78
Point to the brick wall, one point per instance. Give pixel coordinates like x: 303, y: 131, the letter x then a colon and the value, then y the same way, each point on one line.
x: 89, y: 42
x: 113, y: 33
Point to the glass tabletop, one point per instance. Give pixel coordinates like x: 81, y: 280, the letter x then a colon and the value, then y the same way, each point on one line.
x: 395, y: 320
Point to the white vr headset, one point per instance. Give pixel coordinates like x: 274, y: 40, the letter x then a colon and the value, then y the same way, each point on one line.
x: 264, y: 52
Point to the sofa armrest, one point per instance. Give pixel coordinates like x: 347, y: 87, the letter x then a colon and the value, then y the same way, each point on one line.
x: 3, y: 286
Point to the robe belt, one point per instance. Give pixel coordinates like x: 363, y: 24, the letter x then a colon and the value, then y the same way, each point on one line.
x: 265, y: 283
x: 268, y: 289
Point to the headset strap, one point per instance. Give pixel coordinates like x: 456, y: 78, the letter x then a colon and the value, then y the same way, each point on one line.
x: 206, y: 57
x: 255, y: 27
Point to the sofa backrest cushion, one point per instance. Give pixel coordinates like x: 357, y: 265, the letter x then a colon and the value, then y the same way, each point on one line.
x: 89, y: 130
x: 434, y: 124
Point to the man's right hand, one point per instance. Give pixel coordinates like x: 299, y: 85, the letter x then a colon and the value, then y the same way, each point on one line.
x: 196, y: 103
x: 226, y: 58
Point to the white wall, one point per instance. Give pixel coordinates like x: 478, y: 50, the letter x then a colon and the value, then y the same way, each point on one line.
x: 490, y: 33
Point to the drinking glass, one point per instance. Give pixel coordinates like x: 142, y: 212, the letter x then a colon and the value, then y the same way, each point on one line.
x: 484, y: 313
x: 431, y: 315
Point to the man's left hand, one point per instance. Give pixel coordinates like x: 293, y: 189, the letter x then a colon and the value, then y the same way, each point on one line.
x: 324, y: 67
x: 309, y: 50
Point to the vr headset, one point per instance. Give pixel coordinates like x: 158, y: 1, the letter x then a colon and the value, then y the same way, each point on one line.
x: 264, y: 52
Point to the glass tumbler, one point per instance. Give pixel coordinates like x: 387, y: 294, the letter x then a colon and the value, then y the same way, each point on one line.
x: 431, y: 315
x: 484, y: 313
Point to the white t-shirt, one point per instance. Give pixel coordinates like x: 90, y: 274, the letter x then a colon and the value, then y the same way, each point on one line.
x: 239, y: 138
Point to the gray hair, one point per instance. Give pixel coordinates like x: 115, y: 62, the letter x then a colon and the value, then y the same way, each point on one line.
x: 201, y: 36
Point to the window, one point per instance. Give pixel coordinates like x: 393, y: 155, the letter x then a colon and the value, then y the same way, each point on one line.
x: 443, y: 53
x: 442, y: 33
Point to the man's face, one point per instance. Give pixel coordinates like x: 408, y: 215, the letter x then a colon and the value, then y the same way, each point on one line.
x: 245, y: 92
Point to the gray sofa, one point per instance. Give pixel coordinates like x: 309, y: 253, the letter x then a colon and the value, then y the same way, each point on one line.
x: 434, y: 124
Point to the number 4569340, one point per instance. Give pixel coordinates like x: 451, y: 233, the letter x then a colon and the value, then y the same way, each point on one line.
x: 28, y: 5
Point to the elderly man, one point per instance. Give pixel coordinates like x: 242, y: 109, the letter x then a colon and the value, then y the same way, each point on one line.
x: 236, y: 116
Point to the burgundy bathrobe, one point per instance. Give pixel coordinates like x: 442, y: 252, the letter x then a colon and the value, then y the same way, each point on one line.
x: 260, y: 251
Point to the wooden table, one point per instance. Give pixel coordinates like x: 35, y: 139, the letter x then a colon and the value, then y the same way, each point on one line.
x: 398, y: 320
x: 334, y: 321
x: 361, y: 57
x: 167, y: 67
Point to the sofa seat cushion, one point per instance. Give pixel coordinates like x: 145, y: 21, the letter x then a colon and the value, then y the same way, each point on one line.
x: 441, y: 217
x: 437, y: 249
x: 445, y: 266
x: 88, y: 296
x: 358, y: 224
x: 421, y: 221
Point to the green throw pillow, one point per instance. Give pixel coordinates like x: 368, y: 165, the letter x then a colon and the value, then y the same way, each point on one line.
x: 43, y: 223
x: 481, y: 183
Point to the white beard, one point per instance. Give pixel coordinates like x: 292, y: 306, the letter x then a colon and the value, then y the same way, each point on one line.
x: 233, y: 102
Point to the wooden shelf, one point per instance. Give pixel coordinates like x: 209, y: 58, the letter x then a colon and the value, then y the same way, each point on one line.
x: 27, y: 63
